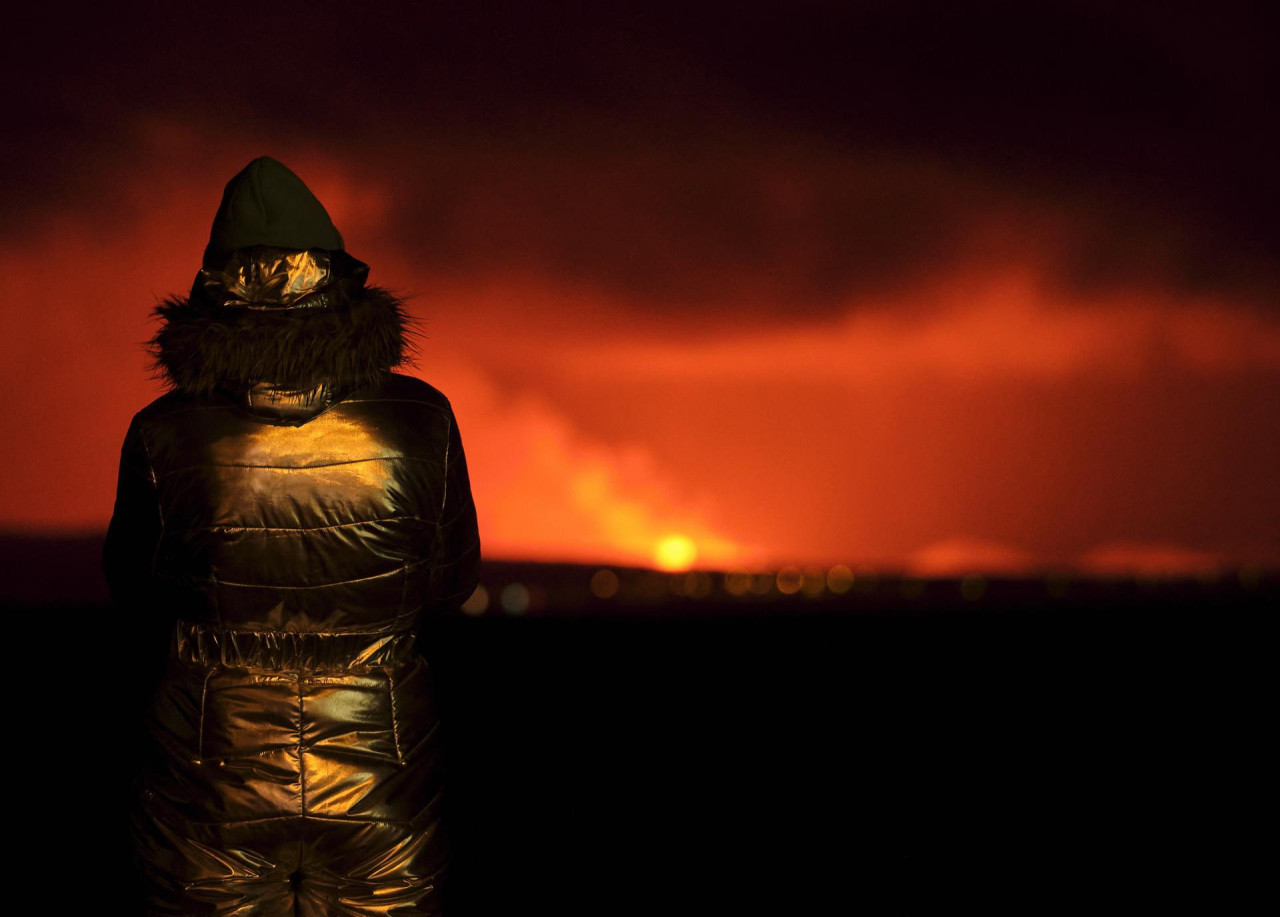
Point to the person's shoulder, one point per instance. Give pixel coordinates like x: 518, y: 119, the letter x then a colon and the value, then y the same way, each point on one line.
x: 401, y: 387
x: 150, y: 422
x: 170, y: 402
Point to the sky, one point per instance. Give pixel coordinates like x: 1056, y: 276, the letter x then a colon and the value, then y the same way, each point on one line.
x: 940, y: 287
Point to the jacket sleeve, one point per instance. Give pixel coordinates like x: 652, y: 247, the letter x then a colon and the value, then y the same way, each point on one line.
x: 133, y: 536
x: 128, y: 558
x: 455, y: 568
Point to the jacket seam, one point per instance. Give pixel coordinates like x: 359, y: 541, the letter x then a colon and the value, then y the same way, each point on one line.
x: 309, y: 815
x: 395, y: 726
x: 296, y: 468
x: 217, y: 600
x: 204, y: 700
x: 433, y: 732
x: 404, y: 588
x: 155, y: 486
x: 341, y: 582
x: 448, y: 441
x: 473, y: 545
x: 454, y: 518
x: 302, y: 751
x: 301, y: 528
x: 376, y: 630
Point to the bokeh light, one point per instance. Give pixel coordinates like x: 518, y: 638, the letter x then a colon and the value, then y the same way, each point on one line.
x: 477, y: 602
x: 515, y: 598
x: 813, y: 583
x: 789, y: 579
x: 840, y: 579
x: 604, y: 584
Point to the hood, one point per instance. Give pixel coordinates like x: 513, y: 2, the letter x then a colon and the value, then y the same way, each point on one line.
x: 267, y: 204
x: 280, y: 317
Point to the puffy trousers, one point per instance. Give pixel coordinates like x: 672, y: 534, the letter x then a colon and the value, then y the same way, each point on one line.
x: 291, y: 774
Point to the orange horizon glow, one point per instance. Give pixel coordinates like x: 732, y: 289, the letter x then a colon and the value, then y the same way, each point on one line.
x: 977, y: 418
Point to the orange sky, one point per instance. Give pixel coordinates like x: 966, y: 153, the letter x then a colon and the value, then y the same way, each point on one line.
x: 974, y: 411
x: 946, y: 287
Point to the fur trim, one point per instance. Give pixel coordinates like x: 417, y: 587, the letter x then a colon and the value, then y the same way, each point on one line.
x: 201, y: 347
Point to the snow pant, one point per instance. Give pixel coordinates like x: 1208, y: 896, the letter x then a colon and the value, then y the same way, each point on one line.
x: 291, y: 774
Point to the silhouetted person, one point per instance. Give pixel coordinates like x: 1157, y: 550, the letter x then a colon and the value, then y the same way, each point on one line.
x: 284, y: 515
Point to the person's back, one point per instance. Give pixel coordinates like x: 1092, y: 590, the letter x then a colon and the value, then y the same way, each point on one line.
x: 286, y: 513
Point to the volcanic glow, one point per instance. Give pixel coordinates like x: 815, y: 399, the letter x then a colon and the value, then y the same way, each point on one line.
x: 976, y: 416
x: 675, y: 552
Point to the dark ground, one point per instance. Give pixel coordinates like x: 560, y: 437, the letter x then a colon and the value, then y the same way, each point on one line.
x: 1097, y: 750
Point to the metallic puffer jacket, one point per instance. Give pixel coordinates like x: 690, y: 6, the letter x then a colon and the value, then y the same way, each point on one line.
x: 285, y: 544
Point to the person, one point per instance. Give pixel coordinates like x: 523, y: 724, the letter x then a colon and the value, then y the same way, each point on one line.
x: 286, y: 515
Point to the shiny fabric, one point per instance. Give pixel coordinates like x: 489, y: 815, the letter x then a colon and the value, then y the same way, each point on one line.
x: 269, y: 279
x: 282, y: 548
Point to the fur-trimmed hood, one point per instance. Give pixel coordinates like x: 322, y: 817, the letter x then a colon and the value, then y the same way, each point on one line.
x: 279, y: 309
x: 202, y: 347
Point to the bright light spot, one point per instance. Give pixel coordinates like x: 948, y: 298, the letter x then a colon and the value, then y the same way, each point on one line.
x: 604, y: 584
x: 515, y: 598
x: 789, y: 580
x: 839, y: 579
x: 675, y: 552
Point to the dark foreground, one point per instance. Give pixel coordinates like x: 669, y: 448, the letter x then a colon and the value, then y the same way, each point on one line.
x: 911, y: 758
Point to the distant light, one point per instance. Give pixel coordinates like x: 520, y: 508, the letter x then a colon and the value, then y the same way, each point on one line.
x: 813, y: 583
x: 912, y: 588
x: 694, y: 584
x: 789, y: 579
x: 972, y: 587
x: 865, y: 579
x: 702, y: 587
x: 737, y: 583
x: 1148, y: 579
x: 839, y: 579
x: 762, y: 583
x: 477, y: 602
x: 652, y: 585
x: 515, y: 598
x: 604, y: 584
x: 1210, y: 577
x: 1250, y: 577
x: 675, y: 552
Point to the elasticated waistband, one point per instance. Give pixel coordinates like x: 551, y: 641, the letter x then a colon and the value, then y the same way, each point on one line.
x: 278, y: 650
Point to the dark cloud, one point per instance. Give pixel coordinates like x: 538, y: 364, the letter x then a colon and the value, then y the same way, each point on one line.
x: 688, y: 154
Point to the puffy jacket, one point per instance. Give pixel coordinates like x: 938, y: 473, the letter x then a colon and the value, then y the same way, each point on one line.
x: 284, y: 516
